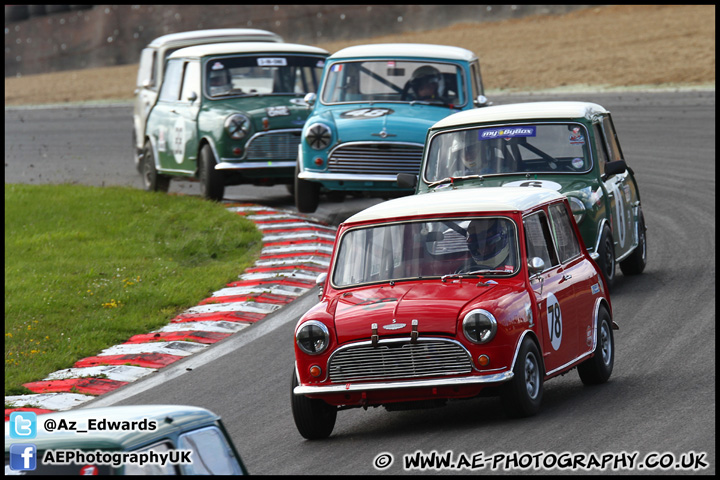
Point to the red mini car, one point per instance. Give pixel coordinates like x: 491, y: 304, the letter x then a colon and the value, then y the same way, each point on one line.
x: 447, y: 296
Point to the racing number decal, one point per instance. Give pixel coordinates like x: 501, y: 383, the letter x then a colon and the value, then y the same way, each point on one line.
x: 554, y: 319
x: 619, y: 211
x: 535, y: 183
x: 366, y: 113
x: 178, y: 140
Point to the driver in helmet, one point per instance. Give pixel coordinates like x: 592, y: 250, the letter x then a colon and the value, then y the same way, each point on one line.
x: 466, y: 153
x: 219, y: 82
x: 489, y: 244
x: 425, y: 83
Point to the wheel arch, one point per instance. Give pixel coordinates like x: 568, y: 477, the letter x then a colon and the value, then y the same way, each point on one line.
x: 532, y: 336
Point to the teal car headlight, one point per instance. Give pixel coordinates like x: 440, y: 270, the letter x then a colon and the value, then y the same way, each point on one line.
x: 318, y: 136
x: 479, y: 326
x: 313, y: 337
x: 237, y: 126
x: 578, y: 209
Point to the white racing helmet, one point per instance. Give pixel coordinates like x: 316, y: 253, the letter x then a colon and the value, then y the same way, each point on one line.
x: 488, y: 241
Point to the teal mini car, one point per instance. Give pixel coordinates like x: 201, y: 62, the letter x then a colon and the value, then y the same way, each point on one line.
x: 230, y: 114
x: 369, y: 121
x: 132, y: 440
x: 569, y: 147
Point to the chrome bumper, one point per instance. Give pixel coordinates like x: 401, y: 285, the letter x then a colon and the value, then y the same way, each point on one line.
x: 345, y: 177
x: 436, y: 382
x: 224, y: 165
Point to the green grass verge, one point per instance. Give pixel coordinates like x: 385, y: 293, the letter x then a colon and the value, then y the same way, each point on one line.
x: 86, y: 268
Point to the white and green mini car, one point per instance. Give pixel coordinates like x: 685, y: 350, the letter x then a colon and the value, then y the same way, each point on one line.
x: 569, y: 147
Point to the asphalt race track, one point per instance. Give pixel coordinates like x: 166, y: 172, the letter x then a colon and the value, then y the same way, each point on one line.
x: 659, y: 403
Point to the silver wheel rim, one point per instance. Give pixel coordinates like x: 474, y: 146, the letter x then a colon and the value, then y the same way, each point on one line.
x: 532, y: 376
x: 605, y: 344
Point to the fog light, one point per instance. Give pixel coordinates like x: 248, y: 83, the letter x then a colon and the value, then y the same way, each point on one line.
x: 315, y: 371
x: 237, y: 151
x: 265, y: 123
x: 483, y: 360
x: 319, y: 161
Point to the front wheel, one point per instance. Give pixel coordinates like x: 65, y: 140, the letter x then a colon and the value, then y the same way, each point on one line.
x: 211, y: 182
x: 635, y: 263
x: 598, y: 369
x: 606, y: 256
x: 522, y: 396
x: 314, y: 418
x: 152, y: 180
x: 307, y: 194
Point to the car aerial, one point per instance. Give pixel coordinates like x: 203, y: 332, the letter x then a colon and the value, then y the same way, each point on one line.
x: 370, y: 120
x: 99, y: 438
x: 451, y: 295
x: 152, y: 68
x: 230, y: 114
x: 571, y: 147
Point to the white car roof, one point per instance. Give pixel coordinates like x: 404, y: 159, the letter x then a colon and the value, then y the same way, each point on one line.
x: 522, y: 111
x: 465, y: 200
x: 397, y: 50
x: 245, y: 47
x: 191, y: 37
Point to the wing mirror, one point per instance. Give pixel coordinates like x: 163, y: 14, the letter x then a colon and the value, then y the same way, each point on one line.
x: 320, y: 282
x: 536, y: 265
x: 482, y: 101
x: 613, y: 168
x: 407, y: 180
x: 192, y: 97
x: 310, y: 98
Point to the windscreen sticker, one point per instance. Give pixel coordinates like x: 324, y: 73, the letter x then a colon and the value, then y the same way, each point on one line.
x: 320, y: 64
x: 272, y: 62
x: 577, y: 163
x: 337, y: 67
x: 367, y: 113
x: 576, y: 137
x: 506, y: 132
x: 217, y: 66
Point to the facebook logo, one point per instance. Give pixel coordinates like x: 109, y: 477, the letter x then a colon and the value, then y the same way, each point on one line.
x: 23, y: 425
x: 23, y: 456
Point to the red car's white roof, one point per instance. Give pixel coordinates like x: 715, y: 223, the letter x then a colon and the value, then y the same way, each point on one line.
x: 462, y: 201
x: 522, y: 111
x: 397, y: 50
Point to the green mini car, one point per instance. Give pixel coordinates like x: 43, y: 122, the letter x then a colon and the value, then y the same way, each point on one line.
x: 230, y: 114
x: 570, y: 147
x: 132, y: 440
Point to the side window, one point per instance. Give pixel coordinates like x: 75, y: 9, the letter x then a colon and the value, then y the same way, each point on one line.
x: 565, y: 239
x: 476, y: 81
x: 191, y: 81
x: 170, y: 91
x: 611, y: 138
x: 146, y: 70
x: 600, y: 147
x: 538, y: 239
x: 211, y: 454
x: 152, y: 469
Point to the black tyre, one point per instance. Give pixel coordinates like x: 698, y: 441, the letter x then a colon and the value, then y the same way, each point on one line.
x: 522, y: 396
x: 211, y: 182
x: 598, y: 369
x: 635, y: 263
x: 314, y: 418
x: 606, y: 258
x: 307, y: 194
x: 152, y: 180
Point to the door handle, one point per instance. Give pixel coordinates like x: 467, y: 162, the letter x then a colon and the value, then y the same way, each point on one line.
x: 567, y: 276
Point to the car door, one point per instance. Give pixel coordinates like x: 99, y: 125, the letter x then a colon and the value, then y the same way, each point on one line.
x: 145, y: 92
x: 173, y: 120
x: 553, y: 294
x: 575, y: 269
x: 621, y: 190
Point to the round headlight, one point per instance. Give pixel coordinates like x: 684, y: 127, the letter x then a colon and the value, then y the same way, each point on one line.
x: 479, y: 326
x: 578, y: 209
x: 237, y: 126
x: 318, y: 136
x: 313, y: 337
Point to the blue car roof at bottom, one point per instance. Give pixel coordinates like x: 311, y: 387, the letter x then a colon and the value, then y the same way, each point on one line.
x: 170, y: 420
x: 458, y: 202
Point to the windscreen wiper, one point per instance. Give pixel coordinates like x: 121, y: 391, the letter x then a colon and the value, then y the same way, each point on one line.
x: 452, y: 180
